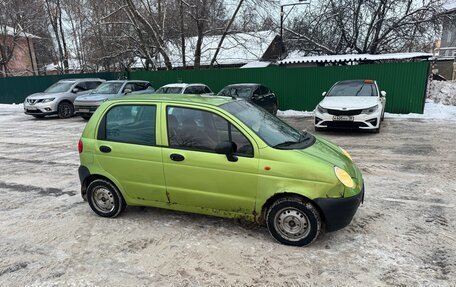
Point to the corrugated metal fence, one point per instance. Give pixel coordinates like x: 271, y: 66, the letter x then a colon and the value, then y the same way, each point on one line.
x: 297, y: 88
x: 16, y: 89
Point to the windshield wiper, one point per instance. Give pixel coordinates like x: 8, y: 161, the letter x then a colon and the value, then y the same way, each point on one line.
x: 287, y: 143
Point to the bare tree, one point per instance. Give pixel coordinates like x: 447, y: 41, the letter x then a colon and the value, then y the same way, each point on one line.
x: 364, y: 26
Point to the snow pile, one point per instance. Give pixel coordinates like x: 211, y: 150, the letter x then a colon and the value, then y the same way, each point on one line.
x: 8, y: 107
x: 293, y: 113
x: 443, y: 92
x: 432, y: 111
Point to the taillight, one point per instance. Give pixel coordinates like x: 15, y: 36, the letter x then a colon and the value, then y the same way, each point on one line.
x: 80, y: 146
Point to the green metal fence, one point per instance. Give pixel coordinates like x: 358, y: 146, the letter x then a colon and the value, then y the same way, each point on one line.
x: 297, y: 88
x: 301, y: 88
x: 16, y: 89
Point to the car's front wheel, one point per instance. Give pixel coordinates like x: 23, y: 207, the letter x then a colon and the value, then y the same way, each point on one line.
x: 293, y: 221
x: 65, y: 110
x: 104, y: 198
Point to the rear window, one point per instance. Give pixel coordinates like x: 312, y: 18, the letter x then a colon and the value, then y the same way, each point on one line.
x: 353, y: 89
x: 133, y: 124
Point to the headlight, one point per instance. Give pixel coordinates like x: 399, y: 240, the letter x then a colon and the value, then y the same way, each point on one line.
x: 344, y: 177
x: 370, y: 110
x: 346, y: 153
x: 48, y: 100
x: 322, y: 110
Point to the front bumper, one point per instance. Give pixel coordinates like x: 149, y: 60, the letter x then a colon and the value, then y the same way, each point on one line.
x: 339, y: 212
x: 361, y: 121
x: 83, y: 108
x: 45, y: 109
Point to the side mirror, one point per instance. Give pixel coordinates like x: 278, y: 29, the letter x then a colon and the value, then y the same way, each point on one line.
x: 383, y: 93
x: 256, y: 96
x: 227, y: 148
x: 75, y: 90
x: 323, y: 94
x: 127, y: 91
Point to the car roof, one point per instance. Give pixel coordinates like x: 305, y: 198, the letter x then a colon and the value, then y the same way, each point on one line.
x: 182, y: 85
x: 81, y: 79
x: 127, y: 81
x: 179, y: 98
x: 356, y: 80
x: 244, y: 85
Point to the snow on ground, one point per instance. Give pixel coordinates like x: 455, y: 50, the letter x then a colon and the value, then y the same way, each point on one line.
x: 432, y: 111
x: 443, y: 92
x: 8, y: 107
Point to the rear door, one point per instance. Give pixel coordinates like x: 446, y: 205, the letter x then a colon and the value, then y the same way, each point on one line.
x: 127, y: 149
x: 195, y: 174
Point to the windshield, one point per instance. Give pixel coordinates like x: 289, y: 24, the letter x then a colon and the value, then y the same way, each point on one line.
x: 108, y: 88
x: 169, y: 90
x: 268, y: 127
x: 59, y: 87
x: 237, y: 91
x: 353, y: 89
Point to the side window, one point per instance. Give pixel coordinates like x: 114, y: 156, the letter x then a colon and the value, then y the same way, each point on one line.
x: 202, y: 131
x: 190, y: 90
x: 92, y: 85
x: 134, y: 124
x: 129, y: 86
x: 257, y: 91
x: 263, y: 90
x: 207, y: 90
x: 81, y: 86
x: 140, y: 86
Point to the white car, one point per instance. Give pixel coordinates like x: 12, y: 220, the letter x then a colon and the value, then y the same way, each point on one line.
x: 182, y: 88
x: 351, y: 104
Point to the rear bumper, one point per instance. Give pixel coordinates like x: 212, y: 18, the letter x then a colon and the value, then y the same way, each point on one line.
x: 339, y: 212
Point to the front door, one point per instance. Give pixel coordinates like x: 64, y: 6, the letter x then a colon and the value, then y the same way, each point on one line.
x: 126, y: 149
x: 198, y: 176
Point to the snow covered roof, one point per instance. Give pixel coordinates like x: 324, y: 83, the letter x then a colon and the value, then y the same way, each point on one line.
x: 73, y: 64
x: 450, y: 5
x: 353, y: 57
x: 238, y: 48
x: 256, y: 64
x: 10, y: 31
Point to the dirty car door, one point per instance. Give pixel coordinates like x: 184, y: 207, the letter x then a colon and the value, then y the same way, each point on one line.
x: 195, y: 174
x: 127, y: 149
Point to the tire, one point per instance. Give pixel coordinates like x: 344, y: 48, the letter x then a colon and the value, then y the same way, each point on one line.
x: 38, y: 116
x: 383, y: 117
x: 86, y: 117
x: 65, y: 110
x: 105, y: 199
x: 303, y: 221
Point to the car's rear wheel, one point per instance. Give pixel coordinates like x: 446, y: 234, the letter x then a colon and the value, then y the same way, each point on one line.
x: 293, y: 221
x: 104, y: 198
x: 65, y: 110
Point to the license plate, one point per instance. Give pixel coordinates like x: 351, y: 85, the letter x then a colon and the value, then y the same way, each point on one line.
x: 84, y: 110
x: 31, y: 108
x: 343, y: 118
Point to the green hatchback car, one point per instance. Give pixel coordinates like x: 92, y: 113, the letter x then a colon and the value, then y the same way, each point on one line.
x: 216, y: 156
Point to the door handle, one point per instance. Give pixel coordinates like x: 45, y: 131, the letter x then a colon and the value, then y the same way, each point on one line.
x: 105, y: 149
x: 176, y: 157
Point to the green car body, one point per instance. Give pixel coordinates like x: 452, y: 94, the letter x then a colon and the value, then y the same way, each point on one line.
x: 207, y: 182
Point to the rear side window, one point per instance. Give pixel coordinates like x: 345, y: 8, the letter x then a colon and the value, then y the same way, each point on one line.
x: 133, y: 124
